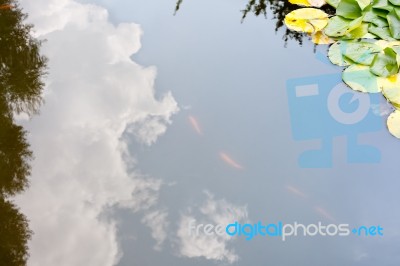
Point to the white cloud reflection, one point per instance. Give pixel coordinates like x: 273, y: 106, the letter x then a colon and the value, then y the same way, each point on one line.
x: 94, y: 93
x: 212, y: 247
x: 157, y: 222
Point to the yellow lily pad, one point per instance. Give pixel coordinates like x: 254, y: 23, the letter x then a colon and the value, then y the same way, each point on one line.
x: 307, y: 20
x: 300, y: 2
x: 308, y: 3
x: 391, y: 88
x: 393, y: 123
x: 320, y: 38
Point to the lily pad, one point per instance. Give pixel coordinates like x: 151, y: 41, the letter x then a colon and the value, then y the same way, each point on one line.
x: 317, y: 3
x: 339, y: 26
x: 391, y: 88
x: 393, y: 123
x: 372, y: 15
x: 300, y: 2
x: 360, y: 78
x: 335, y: 54
x: 364, y: 3
x: 383, y: 5
x: 382, y: 32
x: 320, y: 38
x: 358, y: 33
x: 385, y: 64
x: 349, y: 9
x: 361, y: 52
x: 394, y: 24
x: 333, y: 3
x: 307, y: 20
x: 395, y: 2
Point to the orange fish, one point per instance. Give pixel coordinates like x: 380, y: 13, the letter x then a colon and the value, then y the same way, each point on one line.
x: 195, y: 125
x: 5, y: 7
x: 227, y: 159
x: 324, y: 213
x: 296, y: 191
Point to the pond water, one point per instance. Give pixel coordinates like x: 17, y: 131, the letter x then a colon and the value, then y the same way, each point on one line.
x: 153, y: 123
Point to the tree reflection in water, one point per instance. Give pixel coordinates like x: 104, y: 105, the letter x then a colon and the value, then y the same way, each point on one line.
x: 14, y: 234
x: 279, y: 9
x: 21, y: 85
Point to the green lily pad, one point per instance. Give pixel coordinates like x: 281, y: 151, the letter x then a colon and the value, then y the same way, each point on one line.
x: 396, y: 49
x: 335, y: 54
x: 364, y: 3
x: 358, y: 33
x: 349, y: 9
x: 360, y: 78
x: 333, y: 3
x: 372, y: 15
x: 383, y: 5
x: 361, y: 52
x: 382, y: 32
x: 339, y: 26
x: 395, y: 2
x: 385, y: 64
x: 394, y: 24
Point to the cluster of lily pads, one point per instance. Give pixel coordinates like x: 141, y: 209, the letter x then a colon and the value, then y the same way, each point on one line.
x: 365, y: 38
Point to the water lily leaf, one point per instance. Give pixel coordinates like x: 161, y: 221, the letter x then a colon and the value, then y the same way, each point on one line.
x: 384, y: 44
x: 320, y: 38
x: 360, y: 78
x: 335, y: 54
x: 379, y: 22
x: 333, y: 3
x: 392, y: 44
x: 361, y: 52
x: 349, y: 9
x: 317, y: 3
x: 307, y: 20
x: 364, y: 3
x: 395, y: 2
x: 393, y: 123
x: 382, y: 32
x: 372, y: 15
x: 394, y: 24
x: 300, y: 2
x: 338, y: 26
x: 358, y: 33
x: 391, y: 88
x: 396, y: 48
x: 382, y: 4
x: 385, y: 64
x: 369, y: 36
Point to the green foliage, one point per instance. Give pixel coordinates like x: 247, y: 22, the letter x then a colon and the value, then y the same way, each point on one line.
x: 22, y: 66
x: 14, y: 154
x: 15, y: 234
x: 21, y: 70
